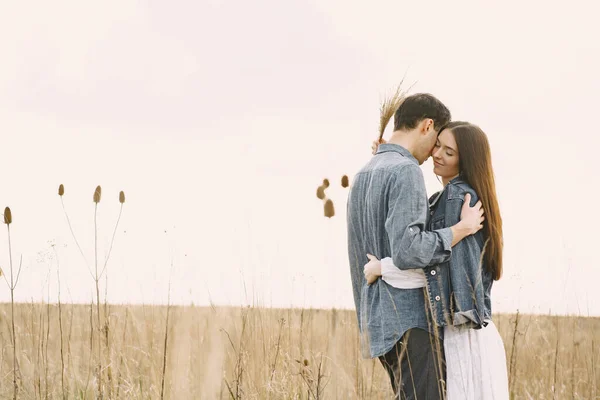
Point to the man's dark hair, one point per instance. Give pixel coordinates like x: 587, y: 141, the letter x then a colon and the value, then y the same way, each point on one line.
x: 416, y: 108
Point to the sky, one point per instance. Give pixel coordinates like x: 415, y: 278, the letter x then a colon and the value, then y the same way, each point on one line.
x: 218, y: 119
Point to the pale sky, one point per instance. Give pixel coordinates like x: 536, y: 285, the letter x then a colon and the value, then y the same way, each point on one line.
x: 220, y: 118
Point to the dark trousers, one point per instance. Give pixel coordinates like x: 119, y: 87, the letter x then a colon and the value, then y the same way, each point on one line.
x: 417, y: 367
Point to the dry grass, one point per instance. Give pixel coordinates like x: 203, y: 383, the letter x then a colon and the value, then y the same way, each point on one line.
x: 149, y: 352
x: 389, y: 106
x: 259, y: 353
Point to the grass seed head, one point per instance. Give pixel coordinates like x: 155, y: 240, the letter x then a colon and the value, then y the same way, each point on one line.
x: 61, y: 190
x: 97, y: 194
x: 345, y: 182
x: 321, y: 193
x: 7, y: 216
x: 122, y: 197
x: 329, y: 211
x: 1, y: 272
x: 389, y: 107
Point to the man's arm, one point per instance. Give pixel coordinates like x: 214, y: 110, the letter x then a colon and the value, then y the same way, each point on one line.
x: 411, y: 245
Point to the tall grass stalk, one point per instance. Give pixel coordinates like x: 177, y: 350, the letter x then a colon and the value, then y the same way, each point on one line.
x: 60, y: 328
x: 12, y: 286
x: 556, y: 349
x: 99, y: 374
x: 166, y: 341
x: 102, y: 331
x: 512, y: 370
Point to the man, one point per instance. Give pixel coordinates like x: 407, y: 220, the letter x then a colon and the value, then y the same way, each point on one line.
x: 387, y: 215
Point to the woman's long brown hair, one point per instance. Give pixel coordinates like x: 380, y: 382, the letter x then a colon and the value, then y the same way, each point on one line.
x: 475, y: 166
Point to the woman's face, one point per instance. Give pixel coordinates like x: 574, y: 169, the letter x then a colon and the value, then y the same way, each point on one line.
x: 445, y: 156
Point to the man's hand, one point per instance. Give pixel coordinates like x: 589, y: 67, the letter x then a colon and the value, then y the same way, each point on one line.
x: 471, y: 217
x: 471, y: 221
x: 372, y: 269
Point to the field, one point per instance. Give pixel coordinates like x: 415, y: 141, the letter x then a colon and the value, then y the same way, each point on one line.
x: 254, y: 353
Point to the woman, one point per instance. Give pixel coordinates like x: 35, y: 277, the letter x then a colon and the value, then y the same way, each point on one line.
x: 473, y: 348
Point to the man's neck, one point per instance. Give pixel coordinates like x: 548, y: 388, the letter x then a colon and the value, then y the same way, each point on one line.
x: 403, y: 139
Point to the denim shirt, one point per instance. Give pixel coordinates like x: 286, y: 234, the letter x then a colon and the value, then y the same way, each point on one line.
x: 387, y: 217
x: 463, y: 284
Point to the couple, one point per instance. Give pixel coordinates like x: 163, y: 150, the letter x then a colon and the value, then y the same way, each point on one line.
x: 422, y: 272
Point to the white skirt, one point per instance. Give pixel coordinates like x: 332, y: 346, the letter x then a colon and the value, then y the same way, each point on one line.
x: 475, y: 363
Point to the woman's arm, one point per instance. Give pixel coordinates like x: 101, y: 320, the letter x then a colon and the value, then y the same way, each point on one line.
x: 466, y: 284
x: 392, y: 275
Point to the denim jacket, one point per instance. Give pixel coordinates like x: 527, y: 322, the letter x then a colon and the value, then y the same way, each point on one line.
x: 387, y: 217
x: 459, y: 290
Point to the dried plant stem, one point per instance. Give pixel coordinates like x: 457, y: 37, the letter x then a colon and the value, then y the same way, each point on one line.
x: 62, y: 351
x: 47, y: 341
x: 164, y: 366
x: 594, y: 381
x: 321, y: 383
x: 106, y: 328
x: 513, y: 361
x: 372, y: 379
x: 39, y: 351
x: 240, y: 361
x: 97, y: 282
x: 100, y: 330
x: 122, y: 358
x: 556, y: 360
x: 60, y: 328
x: 239, y: 365
x: 315, y: 384
x: 33, y: 346
x: 573, y: 354
x: 112, y: 241
x: 359, y: 385
x: 14, y: 341
x: 12, y: 286
x: 281, y: 322
x: 301, y: 332
x: 87, y: 381
x: 69, y: 358
x: 74, y: 237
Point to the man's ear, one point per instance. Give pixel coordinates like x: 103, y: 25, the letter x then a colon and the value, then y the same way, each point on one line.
x: 425, y: 126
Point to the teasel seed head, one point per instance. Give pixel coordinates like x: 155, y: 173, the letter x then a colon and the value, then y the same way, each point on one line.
x: 122, y: 197
x: 321, y: 193
x: 7, y: 216
x: 345, y: 182
x: 97, y: 194
x: 61, y: 190
x: 329, y: 211
x: 325, y: 183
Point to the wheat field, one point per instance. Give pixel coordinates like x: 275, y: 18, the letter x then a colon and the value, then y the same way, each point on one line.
x: 255, y: 353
